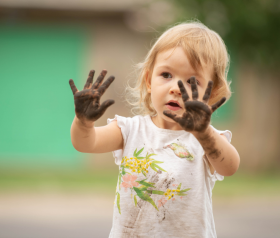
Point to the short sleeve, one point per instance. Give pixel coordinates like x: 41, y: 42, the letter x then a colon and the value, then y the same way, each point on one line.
x: 227, y: 133
x: 216, y: 176
x: 123, y: 124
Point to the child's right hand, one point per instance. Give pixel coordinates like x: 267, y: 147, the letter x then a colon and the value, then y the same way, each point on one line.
x: 87, y: 101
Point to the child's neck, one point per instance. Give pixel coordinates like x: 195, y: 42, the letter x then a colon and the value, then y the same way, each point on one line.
x: 164, y: 124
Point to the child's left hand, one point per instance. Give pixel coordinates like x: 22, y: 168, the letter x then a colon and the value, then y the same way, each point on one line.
x: 196, y: 118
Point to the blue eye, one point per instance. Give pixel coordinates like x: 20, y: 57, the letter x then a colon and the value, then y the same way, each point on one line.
x: 166, y: 75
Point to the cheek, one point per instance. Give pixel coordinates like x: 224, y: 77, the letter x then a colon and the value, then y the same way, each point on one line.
x: 201, y: 92
x: 189, y: 90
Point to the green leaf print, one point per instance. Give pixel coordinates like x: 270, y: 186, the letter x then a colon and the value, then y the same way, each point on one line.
x: 148, y: 156
x: 146, y: 183
x: 144, y: 173
x: 139, y: 152
x: 143, y: 188
x: 155, y: 192
x: 181, y: 194
x: 134, y: 153
x: 145, y: 197
x: 120, y: 179
x: 184, y: 190
x: 157, y: 162
x: 118, y: 202
x: 156, y: 166
x: 135, y: 200
x: 153, y: 167
x: 123, y: 171
x: 179, y: 187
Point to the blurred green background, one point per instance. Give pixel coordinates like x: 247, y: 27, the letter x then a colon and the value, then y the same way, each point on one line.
x: 36, y: 113
x: 44, y: 44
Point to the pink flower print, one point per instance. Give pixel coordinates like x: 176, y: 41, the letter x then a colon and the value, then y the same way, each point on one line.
x: 161, y: 202
x: 129, y: 181
x: 183, y: 154
x: 180, y: 150
x: 181, y: 197
x: 175, y: 185
x: 173, y: 199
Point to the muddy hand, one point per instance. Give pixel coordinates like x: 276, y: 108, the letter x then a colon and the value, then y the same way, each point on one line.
x: 197, y: 116
x: 87, y: 101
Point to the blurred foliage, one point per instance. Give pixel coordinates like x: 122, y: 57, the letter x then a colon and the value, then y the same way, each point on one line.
x: 243, y: 184
x: 96, y: 181
x: 249, y: 28
x: 104, y: 182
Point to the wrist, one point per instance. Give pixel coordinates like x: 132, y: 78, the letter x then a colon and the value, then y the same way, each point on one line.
x: 84, y: 123
x: 200, y: 135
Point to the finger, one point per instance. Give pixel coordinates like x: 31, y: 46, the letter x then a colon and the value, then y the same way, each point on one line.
x: 171, y: 115
x: 183, y: 90
x: 89, y: 79
x: 105, y: 85
x: 218, y: 104
x: 73, y: 87
x: 208, y: 92
x: 105, y: 105
x: 194, y: 88
x: 99, y: 80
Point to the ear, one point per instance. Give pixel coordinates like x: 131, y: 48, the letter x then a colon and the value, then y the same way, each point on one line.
x: 148, y: 82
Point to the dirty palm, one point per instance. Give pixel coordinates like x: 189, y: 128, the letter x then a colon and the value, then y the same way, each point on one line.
x: 87, y: 101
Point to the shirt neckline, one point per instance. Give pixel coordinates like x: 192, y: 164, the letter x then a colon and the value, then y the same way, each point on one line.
x: 161, y: 130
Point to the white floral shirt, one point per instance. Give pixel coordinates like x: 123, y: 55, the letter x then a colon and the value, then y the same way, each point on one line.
x: 164, y: 185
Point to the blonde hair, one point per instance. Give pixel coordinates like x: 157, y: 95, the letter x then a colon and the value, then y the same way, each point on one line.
x: 202, y: 46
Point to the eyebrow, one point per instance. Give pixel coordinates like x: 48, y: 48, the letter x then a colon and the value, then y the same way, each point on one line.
x: 166, y: 66
x: 171, y: 68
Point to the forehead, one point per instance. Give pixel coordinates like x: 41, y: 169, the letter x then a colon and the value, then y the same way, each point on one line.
x: 177, y: 58
x: 173, y: 55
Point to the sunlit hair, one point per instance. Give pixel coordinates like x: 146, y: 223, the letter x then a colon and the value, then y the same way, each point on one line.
x: 201, y: 45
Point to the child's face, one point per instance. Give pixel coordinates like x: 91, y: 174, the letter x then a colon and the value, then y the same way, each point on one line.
x: 170, y: 67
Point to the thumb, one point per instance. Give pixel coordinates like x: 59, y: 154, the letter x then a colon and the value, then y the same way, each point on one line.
x: 105, y: 105
x: 171, y: 115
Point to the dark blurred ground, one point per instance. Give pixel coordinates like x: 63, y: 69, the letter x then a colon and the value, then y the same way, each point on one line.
x: 89, y: 215
x: 81, y: 205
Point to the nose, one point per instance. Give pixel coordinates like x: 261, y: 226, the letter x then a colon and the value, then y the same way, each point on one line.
x: 175, y: 89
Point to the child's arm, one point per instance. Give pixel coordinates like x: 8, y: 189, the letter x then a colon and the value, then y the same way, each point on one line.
x: 220, y: 153
x: 84, y: 136
x: 196, y: 120
x: 90, y: 139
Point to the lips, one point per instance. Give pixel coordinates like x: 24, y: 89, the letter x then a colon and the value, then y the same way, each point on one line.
x: 173, y: 105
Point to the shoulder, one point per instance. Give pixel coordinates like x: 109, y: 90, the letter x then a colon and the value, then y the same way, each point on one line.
x: 137, y: 118
x: 127, y: 125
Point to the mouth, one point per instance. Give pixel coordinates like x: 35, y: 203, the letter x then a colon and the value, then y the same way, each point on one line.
x: 173, y: 105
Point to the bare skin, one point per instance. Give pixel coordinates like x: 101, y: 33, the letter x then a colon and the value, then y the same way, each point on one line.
x: 87, y: 101
x: 196, y: 120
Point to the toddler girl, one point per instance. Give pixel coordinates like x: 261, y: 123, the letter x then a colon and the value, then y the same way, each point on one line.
x: 169, y: 156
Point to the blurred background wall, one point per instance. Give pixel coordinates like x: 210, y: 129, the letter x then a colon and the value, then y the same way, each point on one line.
x: 45, y: 43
